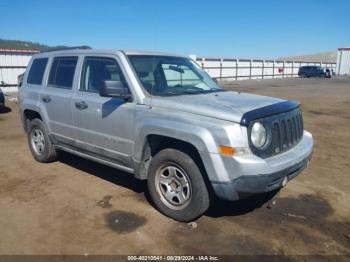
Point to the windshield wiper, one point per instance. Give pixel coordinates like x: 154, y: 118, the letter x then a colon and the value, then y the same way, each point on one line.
x: 204, y: 91
x: 188, y: 92
x: 171, y: 93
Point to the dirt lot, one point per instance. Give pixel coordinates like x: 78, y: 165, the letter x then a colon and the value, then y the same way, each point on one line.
x: 75, y: 206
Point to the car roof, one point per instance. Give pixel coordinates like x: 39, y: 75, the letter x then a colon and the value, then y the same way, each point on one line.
x: 78, y: 51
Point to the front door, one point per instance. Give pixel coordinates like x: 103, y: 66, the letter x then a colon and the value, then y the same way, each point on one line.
x: 104, y: 126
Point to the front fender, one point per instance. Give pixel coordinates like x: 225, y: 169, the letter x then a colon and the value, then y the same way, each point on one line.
x: 199, y: 137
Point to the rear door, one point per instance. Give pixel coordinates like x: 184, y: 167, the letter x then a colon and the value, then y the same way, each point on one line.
x: 29, y: 92
x: 56, y: 97
x: 104, y: 125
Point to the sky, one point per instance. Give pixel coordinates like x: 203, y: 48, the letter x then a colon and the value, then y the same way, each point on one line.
x: 240, y: 29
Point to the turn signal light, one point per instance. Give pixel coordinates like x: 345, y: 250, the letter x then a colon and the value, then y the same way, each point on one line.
x: 227, y: 151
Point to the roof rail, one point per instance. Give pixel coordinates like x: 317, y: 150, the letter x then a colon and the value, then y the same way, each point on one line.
x: 66, y: 48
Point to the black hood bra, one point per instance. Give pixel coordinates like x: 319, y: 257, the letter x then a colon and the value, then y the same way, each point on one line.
x: 266, y: 111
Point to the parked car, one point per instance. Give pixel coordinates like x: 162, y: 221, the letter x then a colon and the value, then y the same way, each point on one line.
x: 160, y: 117
x: 311, y: 71
x: 2, y: 99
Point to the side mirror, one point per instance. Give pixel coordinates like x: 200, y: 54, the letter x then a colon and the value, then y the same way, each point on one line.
x: 20, y: 80
x: 215, y: 80
x: 115, y: 89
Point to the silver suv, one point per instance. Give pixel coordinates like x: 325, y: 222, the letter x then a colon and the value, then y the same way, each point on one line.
x: 160, y: 117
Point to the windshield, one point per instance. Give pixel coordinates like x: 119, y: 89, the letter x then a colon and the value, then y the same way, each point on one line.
x: 167, y: 75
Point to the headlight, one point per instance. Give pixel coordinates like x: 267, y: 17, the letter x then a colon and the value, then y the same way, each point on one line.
x: 258, y: 135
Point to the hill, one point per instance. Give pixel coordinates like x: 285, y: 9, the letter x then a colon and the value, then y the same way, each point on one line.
x: 329, y: 57
x: 26, y: 45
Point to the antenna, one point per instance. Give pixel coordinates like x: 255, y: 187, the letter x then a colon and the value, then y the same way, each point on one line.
x: 154, y: 49
x: 154, y: 79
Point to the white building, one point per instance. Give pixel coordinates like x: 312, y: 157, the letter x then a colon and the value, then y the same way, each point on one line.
x: 343, y: 61
x: 13, y: 62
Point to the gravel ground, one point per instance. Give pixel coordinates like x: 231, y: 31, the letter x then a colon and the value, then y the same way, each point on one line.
x: 75, y: 206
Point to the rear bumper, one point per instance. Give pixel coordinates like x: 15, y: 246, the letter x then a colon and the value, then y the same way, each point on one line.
x: 245, y: 186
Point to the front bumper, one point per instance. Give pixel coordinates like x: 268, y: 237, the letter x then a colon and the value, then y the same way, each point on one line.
x: 233, y: 178
x: 245, y: 186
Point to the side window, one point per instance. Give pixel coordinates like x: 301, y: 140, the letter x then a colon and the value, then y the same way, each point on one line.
x: 145, y: 69
x: 36, y: 71
x: 97, y: 70
x: 62, y: 72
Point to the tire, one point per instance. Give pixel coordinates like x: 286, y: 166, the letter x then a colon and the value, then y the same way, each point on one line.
x: 179, y: 200
x: 39, y: 142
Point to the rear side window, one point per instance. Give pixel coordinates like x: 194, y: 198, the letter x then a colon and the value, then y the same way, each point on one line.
x: 36, y: 71
x: 62, y: 72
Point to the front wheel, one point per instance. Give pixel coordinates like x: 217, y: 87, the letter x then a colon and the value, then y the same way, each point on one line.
x: 176, y: 185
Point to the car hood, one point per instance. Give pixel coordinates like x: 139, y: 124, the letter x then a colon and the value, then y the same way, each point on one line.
x: 226, y: 105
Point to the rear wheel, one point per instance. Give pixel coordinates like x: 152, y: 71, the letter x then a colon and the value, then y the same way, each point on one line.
x: 176, y: 185
x: 39, y: 143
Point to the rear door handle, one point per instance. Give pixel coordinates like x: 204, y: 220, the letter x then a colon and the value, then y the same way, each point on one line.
x: 46, y: 99
x: 81, y: 105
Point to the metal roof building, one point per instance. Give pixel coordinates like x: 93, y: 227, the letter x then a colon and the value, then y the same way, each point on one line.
x: 343, y: 61
x: 13, y: 62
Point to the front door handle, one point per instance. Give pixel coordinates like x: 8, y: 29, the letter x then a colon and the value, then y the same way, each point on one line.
x: 81, y: 105
x: 46, y: 99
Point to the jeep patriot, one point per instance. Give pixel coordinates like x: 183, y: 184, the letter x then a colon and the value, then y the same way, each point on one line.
x: 160, y: 117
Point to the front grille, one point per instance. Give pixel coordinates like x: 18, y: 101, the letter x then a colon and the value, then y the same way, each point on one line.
x: 284, y: 132
x: 287, y: 132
